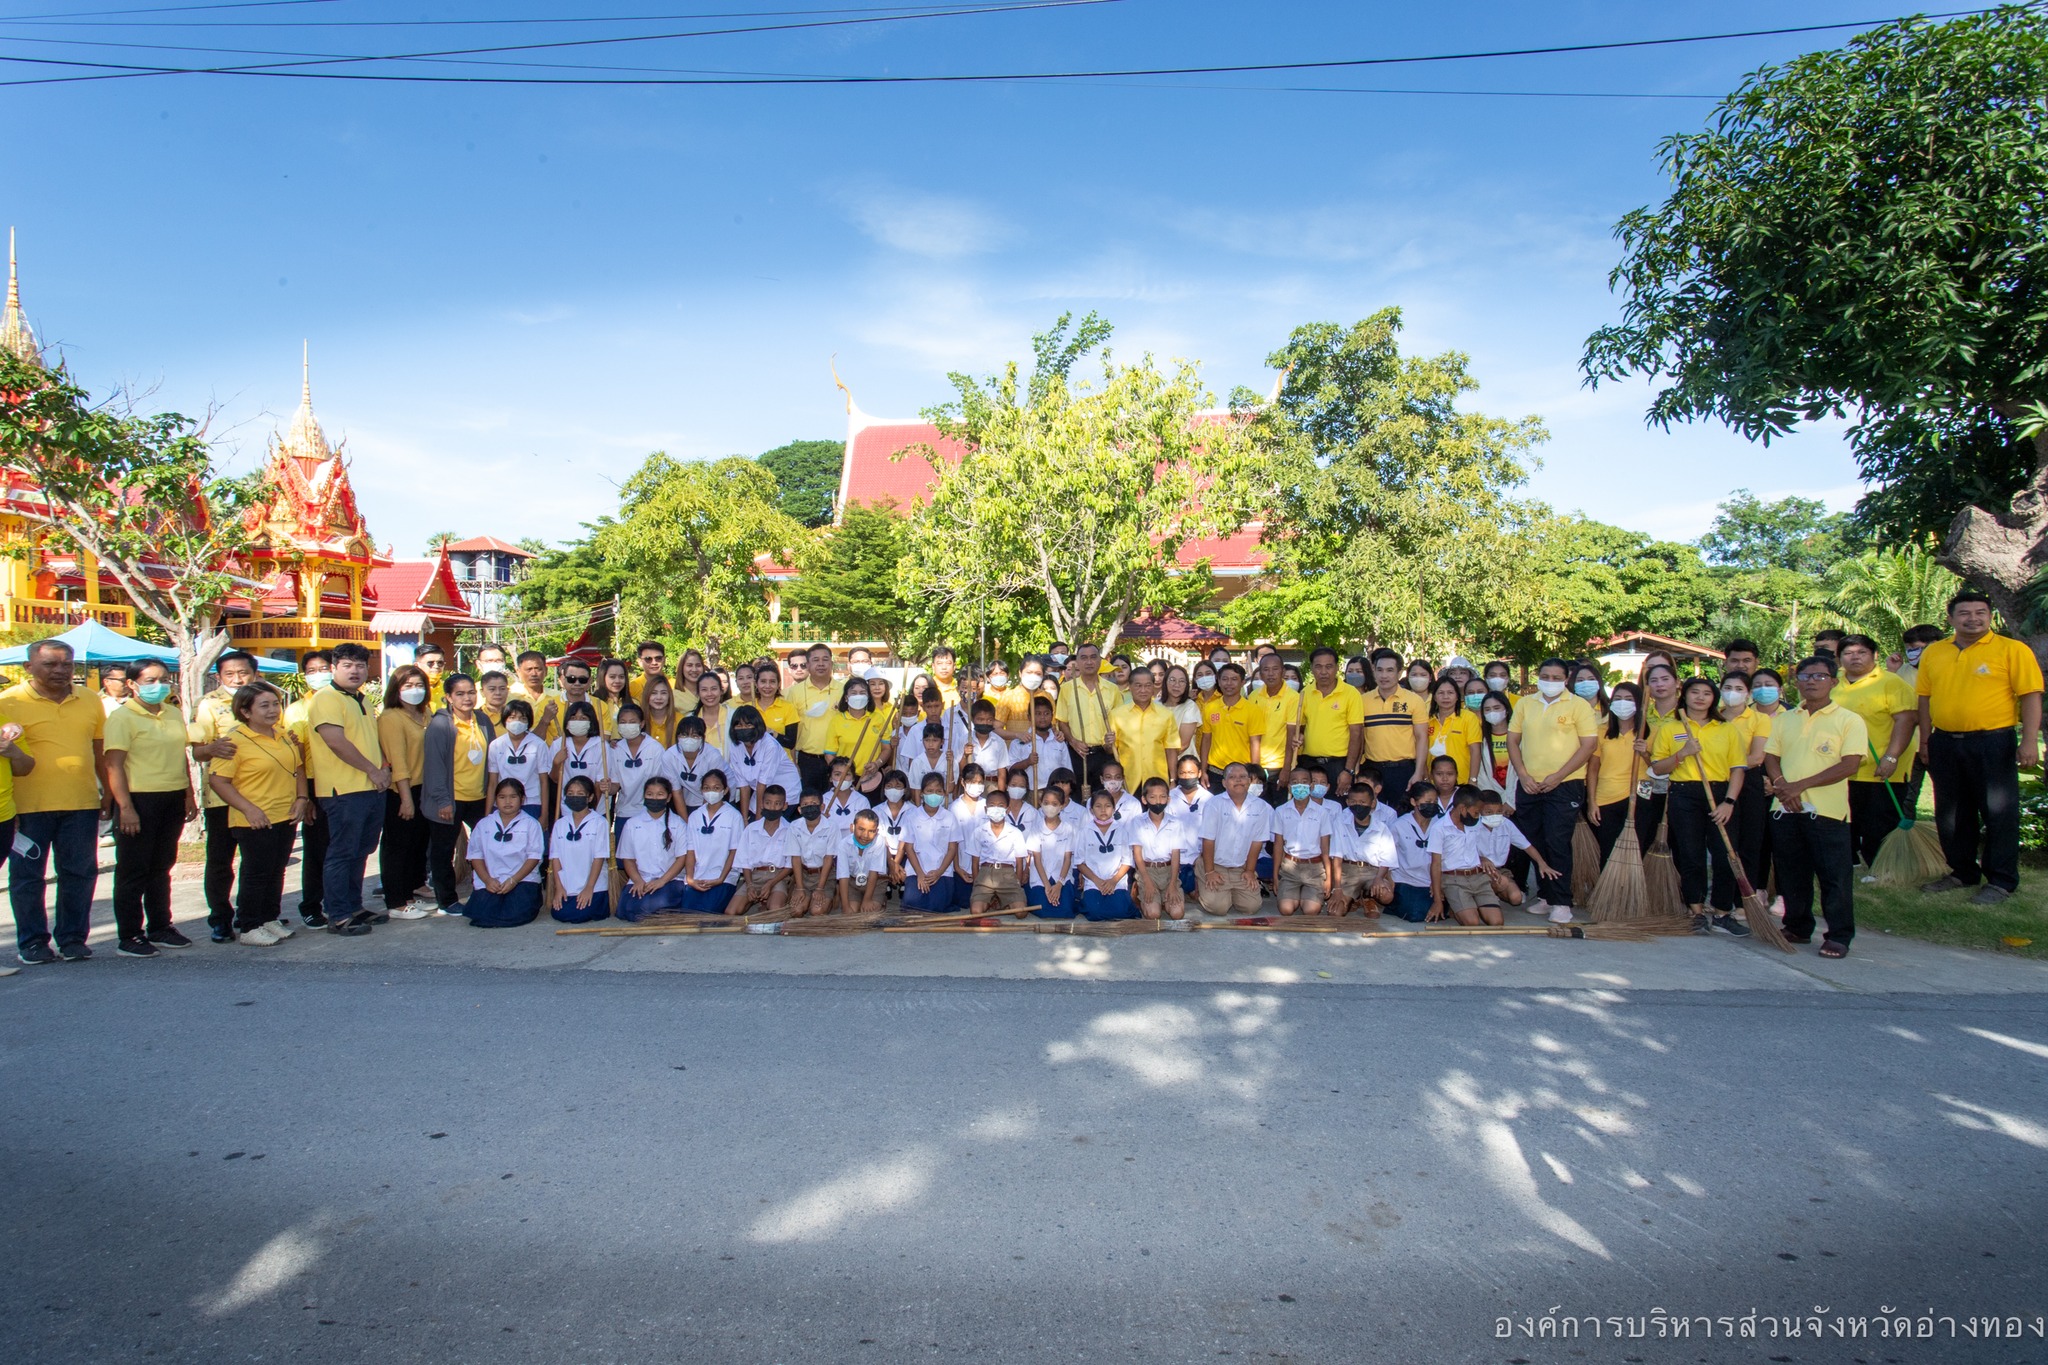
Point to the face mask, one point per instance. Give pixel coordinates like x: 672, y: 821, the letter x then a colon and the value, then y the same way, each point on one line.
x: 1299, y: 791
x: 713, y: 796
x: 1490, y: 821
x: 1032, y: 680
x: 1913, y: 653
x: 1551, y: 688
x: 1205, y: 684
x: 975, y: 789
x: 1058, y: 657
x: 1293, y: 686
x: 576, y: 801
x: 316, y: 681
x: 412, y: 696
x: 773, y: 814
x: 154, y: 693
x: 746, y: 734
x: 1051, y: 810
x: 1355, y: 678
x: 1112, y: 784
x: 862, y: 845
x: 655, y: 805
x: 934, y: 799
x: 984, y: 728
x: 1474, y: 702
x: 1766, y: 696
x: 1018, y: 791
x: 1586, y: 688
x: 1319, y: 790
x: 857, y: 702
x: 516, y: 727
x: 810, y: 811
x: 841, y: 783
x: 1361, y: 815
x: 998, y: 815
x: 629, y: 729
x: 1188, y: 784
x: 1496, y: 717
x: 579, y: 728
x: 690, y: 744
x: 1155, y: 808
x: 1219, y: 659
x: 1496, y: 684
x: 999, y: 681
x: 1418, y: 683
x: 1734, y: 697
x: 1622, y: 707
x: 893, y: 793
x: 1429, y: 810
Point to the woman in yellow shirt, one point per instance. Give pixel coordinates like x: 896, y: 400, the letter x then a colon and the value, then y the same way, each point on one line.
x: 1612, y: 771
x: 777, y: 711
x: 152, y: 793
x: 658, y: 711
x: 264, y: 785
x: 1453, y: 729
x: 860, y: 736
x: 613, y: 690
x: 401, y: 731
x: 1706, y: 760
x: 1752, y: 807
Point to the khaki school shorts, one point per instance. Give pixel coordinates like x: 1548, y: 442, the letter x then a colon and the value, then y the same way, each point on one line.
x: 1163, y: 879
x: 1296, y: 879
x: 1469, y: 891
x: 1234, y: 897
x: 996, y: 883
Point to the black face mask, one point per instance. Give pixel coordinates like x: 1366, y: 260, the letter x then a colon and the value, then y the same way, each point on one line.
x: 655, y: 805
x: 810, y: 812
x: 1188, y: 784
x: 1361, y: 813
x: 745, y: 734
x: 771, y: 816
x: 576, y: 801
x: 1430, y: 809
x: 1155, y: 807
x: 983, y: 727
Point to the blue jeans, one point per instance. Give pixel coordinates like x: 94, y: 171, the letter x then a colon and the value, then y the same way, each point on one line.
x: 74, y: 836
x: 354, y: 821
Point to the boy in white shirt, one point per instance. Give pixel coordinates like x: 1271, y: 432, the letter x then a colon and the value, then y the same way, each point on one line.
x: 1158, y: 842
x: 862, y: 864
x: 1184, y: 807
x: 1362, y: 850
x: 1457, y: 881
x: 998, y: 850
x: 1498, y: 837
x: 1236, y: 824
x: 930, y: 757
x: 1040, y: 752
x: 764, y: 855
x: 1301, y: 848
x: 1411, y: 845
x: 580, y: 850
x: 813, y: 845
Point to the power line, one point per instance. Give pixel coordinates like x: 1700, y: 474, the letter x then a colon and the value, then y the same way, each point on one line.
x: 68, y: 21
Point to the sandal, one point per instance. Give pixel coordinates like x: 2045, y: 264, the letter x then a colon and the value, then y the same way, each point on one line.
x: 1833, y: 948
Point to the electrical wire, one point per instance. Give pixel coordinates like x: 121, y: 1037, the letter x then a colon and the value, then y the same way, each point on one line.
x: 54, y: 20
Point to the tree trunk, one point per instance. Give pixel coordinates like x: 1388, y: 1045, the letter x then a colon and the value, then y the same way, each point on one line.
x: 2000, y: 553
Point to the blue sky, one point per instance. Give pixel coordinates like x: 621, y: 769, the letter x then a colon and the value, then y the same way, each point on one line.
x: 513, y: 293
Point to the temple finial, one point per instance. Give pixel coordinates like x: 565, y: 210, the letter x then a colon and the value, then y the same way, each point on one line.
x: 841, y: 383
x: 306, y: 373
x: 13, y: 277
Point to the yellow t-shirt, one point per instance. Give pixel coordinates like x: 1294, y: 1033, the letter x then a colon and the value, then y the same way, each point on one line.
x: 59, y: 736
x: 1087, y: 713
x: 1229, y: 729
x: 778, y: 715
x: 1877, y: 696
x: 856, y: 737
x: 1723, y: 747
x: 1279, y: 711
x: 1754, y: 725
x: 332, y: 706
x: 1551, y: 731
x: 404, y: 741
x: 1454, y: 738
x: 814, y: 707
x: 1143, y: 738
x: 949, y: 690
x: 471, y: 755
x: 1617, y: 767
x: 216, y: 717
x: 265, y: 770
x: 1810, y: 742
x: 1390, y: 724
x: 636, y: 686
x: 1326, y: 720
x: 1013, y: 706
x: 1976, y: 688
x: 155, y: 746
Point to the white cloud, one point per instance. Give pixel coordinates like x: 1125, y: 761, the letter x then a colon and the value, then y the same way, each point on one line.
x: 938, y: 226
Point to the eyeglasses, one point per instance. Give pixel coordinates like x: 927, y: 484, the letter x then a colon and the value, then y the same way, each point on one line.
x: 1814, y: 677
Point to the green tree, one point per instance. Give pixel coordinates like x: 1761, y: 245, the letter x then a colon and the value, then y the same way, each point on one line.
x: 1079, y: 496
x: 1389, y: 499
x: 552, y: 602
x: 1791, y: 533
x: 848, y: 586
x: 1860, y: 231
x: 807, y: 475
x: 1880, y: 593
x: 686, y: 540
x: 441, y: 540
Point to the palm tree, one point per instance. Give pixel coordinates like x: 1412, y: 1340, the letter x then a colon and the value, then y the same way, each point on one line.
x: 1881, y: 592
x: 441, y: 540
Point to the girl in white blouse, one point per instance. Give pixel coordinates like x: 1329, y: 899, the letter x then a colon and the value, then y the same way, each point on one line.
x: 582, y: 752
x: 520, y: 754
x: 711, y: 840
x: 651, y: 851
x: 579, y: 850
x: 505, y: 852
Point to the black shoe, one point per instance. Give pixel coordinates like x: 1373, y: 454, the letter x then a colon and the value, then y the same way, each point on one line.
x: 313, y: 919
x: 1702, y: 925
x: 35, y: 955
x: 380, y: 917
x: 363, y: 917
x: 1731, y: 926
x: 223, y: 936
x: 75, y: 952
x: 135, y: 947
x: 168, y: 937
x: 349, y: 930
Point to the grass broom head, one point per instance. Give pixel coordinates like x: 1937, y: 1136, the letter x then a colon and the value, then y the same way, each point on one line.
x: 1112, y: 928
x: 1910, y: 856
x: 1619, y: 894
x: 1661, y: 893
x: 1585, y: 861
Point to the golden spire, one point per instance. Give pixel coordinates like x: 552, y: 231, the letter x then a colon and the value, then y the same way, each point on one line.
x: 304, y: 437
x: 16, y: 337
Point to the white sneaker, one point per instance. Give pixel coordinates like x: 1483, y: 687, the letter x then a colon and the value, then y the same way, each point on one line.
x: 1537, y: 907
x: 413, y: 911
x: 1561, y: 915
x: 263, y: 936
x: 281, y: 929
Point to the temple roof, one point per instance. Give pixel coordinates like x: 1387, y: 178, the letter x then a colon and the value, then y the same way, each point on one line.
x: 16, y: 336
x: 310, y: 506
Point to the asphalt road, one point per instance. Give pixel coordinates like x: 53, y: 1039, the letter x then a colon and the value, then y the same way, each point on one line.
x: 253, y: 1161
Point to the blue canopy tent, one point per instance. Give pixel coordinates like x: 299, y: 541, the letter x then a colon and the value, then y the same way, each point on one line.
x: 93, y: 643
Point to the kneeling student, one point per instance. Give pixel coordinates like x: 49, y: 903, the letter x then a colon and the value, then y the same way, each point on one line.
x: 1457, y: 881
x: 1052, y: 891
x: 1301, y: 847
x: 579, y: 850
x: 862, y: 863
x: 1362, y: 851
x: 764, y: 856
x: 1105, y: 862
x: 1412, y: 897
x: 651, y: 854
x: 505, y: 851
x: 931, y: 849
x: 1157, y: 841
x: 813, y: 848
x: 999, y: 850
x: 711, y: 842
x: 1499, y: 837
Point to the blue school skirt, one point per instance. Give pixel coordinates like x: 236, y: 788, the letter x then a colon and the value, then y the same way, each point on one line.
x: 1042, y: 908
x: 1410, y: 902
x: 600, y: 908
x: 712, y: 902
x: 937, y: 901
x: 1187, y: 881
x: 663, y: 899
x: 963, y: 892
x: 520, y: 905
x: 1115, y: 904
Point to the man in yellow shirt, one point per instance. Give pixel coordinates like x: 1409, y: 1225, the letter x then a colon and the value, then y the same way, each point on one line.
x: 1890, y: 712
x: 1279, y: 736
x: 316, y: 669
x: 433, y: 661
x: 1332, y: 720
x: 349, y: 779
x: 1141, y: 733
x: 1550, y: 737
x: 1813, y: 750
x: 1229, y: 722
x: 1082, y: 716
x: 815, y: 697
x: 531, y: 685
x: 208, y: 733
x: 653, y: 658
x: 57, y: 804
x: 945, y: 675
x: 1394, y: 725
x: 1973, y: 689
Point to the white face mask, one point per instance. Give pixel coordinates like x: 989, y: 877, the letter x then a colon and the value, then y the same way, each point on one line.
x: 1733, y: 696
x: 412, y: 696
x: 690, y: 744
x: 1058, y: 657
x: 1496, y: 717
x: 579, y: 727
x: 629, y: 729
x: 1032, y: 680
x: 1490, y: 821
x: 893, y: 793
x: 999, y: 682
x: 974, y: 790
x: 1112, y: 784
x: 1622, y: 707
x: 841, y: 784
x: 1293, y: 686
x: 998, y: 815
x: 1496, y: 684
x: 516, y: 727
x: 1205, y: 684
x: 857, y: 702
x: 713, y: 796
x: 1551, y: 688
x: 1018, y: 791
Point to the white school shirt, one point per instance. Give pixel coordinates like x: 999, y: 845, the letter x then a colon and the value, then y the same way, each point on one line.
x: 1459, y: 848
x: 992, y: 752
x: 687, y: 771
x: 1301, y: 832
x: 761, y: 847
x: 631, y: 771
x: 764, y: 763
x: 1041, y: 756
x: 588, y: 761
x: 1157, y: 843
x: 575, y: 847
x: 966, y: 813
x: 893, y: 823
x: 931, y: 833
x: 1494, y: 843
x: 1411, y: 850
x: 1128, y: 807
x: 919, y: 766
x: 640, y: 844
x: 711, y: 833
x: 502, y: 856
x: 841, y: 807
x: 525, y: 761
x: 1004, y: 844
x: 1051, y: 847
x: 1188, y: 815
x: 1101, y: 851
x: 812, y: 847
x: 1237, y: 830
x: 859, y: 863
x: 1373, y: 845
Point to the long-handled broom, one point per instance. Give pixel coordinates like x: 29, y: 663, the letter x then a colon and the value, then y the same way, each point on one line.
x: 1763, y: 925
x: 1662, y: 892
x: 1911, y: 854
x: 1619, y: 892
x: 1585, y: 860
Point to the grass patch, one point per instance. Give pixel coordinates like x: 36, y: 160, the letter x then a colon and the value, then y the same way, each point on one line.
x: 1950, y: 919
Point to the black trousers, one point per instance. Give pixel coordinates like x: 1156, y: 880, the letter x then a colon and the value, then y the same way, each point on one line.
x: 1749, y: 828
x: 1696, y: 846
x: 220, y: 867
x: 1547, y: 819
x: 1608, y: 832
x: 1977, y: 800
x: 1088, y: 767
x: 1395, y: 775
x: 1808, y: 849
x: 441, y: 849
x: 143, y: 862
x: 1331, y: 766
x: 1872, y: 815
x: 402, y: 852
x: 265, y: 854
x: 312, y: 867
x: 816, y: 771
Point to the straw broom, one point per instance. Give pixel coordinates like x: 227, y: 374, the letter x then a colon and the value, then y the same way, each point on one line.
x: 1763, y: 925
x: 1661, y: 892
x: 1585, y: 860
x: 1619, y: 894
x: 1911, y: 854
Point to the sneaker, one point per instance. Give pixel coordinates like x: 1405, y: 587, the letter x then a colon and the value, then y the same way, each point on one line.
x: 1989, y: 895
x: 75, y: 952
x: 223, y: 936
x: 168, y: 937
x: 1869, y: 881
x: 135, y: 947
x: 377, y: 917
x: 1948, y: 883
x: 314, y: 919
x: 1702, y: 925
x: 1537, y: 907
x: 280, y: 928
x: 1731, y: 926
x: 349, y: 930
x: 35, y: 955
x: 450, y: 911
x: 411, y: 912
x: 260, y: 936
x: 1561, y: 914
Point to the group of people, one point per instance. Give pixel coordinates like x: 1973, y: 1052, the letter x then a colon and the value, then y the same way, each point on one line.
x: 1071, y: 785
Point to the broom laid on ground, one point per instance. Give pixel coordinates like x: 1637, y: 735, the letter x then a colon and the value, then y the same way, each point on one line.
x: 1911, y: 854
x: 1763, y: 925
x: 1619, y: 893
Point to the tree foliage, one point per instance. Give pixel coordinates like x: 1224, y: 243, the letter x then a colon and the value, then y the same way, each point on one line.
x: 1792, y: 533
x: 686, y: 540
x: 561, y: 584
x: 1881, y: 593
x: 807, y: 478
x: 847, y: 583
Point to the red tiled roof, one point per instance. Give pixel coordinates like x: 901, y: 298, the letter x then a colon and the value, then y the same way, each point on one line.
x: 484, y: 544
x: 407, y: 585
x: 1170, y: 628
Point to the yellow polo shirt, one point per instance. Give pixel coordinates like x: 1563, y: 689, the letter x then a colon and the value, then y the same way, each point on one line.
x: 949, y: 690
x: 1326, y: 719
x: 404, y: 740
x: 1390, y: 724
x: 264, y: 770
x: 216, y: 717
x: 637, y: 684
x: 1617, y: 767
x: 59, y: 736
x: 1278, y: 710
x: 1878, y: 696
x: 1754, y: 724
x: 332, y: 706
x: 1722, y: 747
x: 1230, y: 729
x: 1976, y: 688
x: 1454, y: 739
x: 1143, y: 736
x: 778, y: 715
x: 857, y: 736
x: 1810, y: 742
x: 1087, y: 713
x: 1013, y: 706
x: 1551, y: 731
x: 471, y: 759
x: 155, y: 745
x: 814, y: 707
